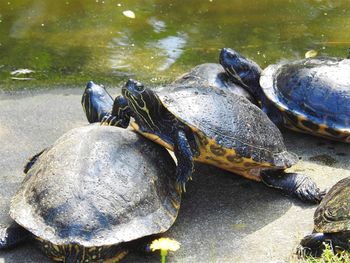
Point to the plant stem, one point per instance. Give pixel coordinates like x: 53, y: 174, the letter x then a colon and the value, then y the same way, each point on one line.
x: 163, y: 254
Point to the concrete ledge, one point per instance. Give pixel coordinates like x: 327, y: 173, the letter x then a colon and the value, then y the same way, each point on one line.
x: 223, y: 218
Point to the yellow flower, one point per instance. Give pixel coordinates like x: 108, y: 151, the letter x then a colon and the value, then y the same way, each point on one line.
x: 165, y: 244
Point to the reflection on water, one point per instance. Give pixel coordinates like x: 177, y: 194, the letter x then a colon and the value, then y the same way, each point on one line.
x: 70, y: 42
x: 172, y: 47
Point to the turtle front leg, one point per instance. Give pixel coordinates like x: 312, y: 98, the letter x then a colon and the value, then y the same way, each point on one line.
x: 314, y: 244
x: 294, y: 184
x: 120, y: 114
x: 12, y: 235
x: 184, y: 156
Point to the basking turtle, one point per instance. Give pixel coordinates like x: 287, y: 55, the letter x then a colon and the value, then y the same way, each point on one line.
x: 234, y: 134
x: 96, y: 102
x: 311, y: 95
x: 94, y: 195
x: 332, y: 221
x: 212, y: 74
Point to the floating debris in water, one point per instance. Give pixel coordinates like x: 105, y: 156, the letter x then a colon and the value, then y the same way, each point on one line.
x: 15, y: 78
x: 129, y: 13
x: 311, y: 53
x: 22, y: 71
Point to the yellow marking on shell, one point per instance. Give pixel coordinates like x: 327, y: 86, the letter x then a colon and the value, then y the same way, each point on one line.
x: 152, y: 137
x: 117, y: 257
x: 321, y: 131
x: 60, y: 259
x: 84, y: 254
x: 55, y: 247
x: 170, y: 215
x: 228, y: 159
x: 92, y: 249
x: 68, y: 249
x: 222, y: 161
x: 175, y: 204
x: 246, y: 167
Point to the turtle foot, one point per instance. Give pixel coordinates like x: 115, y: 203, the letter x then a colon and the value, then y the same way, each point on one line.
x: 313, y: 245
x: 298, y: 185
x: 109, y: 120
x: 306, y: 190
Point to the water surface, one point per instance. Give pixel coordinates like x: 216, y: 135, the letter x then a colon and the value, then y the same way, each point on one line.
x: 70, y: 42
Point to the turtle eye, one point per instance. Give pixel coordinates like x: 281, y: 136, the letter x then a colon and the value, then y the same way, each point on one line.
x: 139, y: 87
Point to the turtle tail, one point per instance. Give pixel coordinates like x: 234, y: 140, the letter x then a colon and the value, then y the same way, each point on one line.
x: 12, y: 235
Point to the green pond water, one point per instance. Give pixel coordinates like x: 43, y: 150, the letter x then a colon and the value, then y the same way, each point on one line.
x: 67, y: 43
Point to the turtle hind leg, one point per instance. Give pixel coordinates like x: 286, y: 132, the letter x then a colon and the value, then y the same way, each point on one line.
x: 294, y: 184
x: 12, y: 235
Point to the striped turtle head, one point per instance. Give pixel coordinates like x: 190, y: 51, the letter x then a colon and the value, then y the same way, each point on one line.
x: 242, y: 71
x: 96, y: 102
x: 143, y: 102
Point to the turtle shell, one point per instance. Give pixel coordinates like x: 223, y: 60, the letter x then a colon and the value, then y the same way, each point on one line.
x: 98, y: 186
x: 333, y: 213
x: 228, y: 121
x: 314, y: 93
x: 212, y: 74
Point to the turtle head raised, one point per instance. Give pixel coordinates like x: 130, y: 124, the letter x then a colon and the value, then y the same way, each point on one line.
x: 143, y: 102
x: 242, y: 71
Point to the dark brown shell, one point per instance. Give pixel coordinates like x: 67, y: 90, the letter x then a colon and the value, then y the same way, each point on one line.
x: 98, y: 186
x: 314, y: 89
x: 229, y: 119
x: 214, y: 75
x: 333, y: 213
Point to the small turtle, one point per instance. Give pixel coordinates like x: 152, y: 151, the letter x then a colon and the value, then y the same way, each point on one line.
x: 97, y: 193
x: 332, y: 222
x: 212, y: 74
x: 234, y: 134
x: 311, y: 95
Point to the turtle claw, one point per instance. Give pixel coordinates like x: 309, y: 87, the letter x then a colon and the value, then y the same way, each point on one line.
x: 180, y: 187
x: 109, y: 120
x: 112, y: 121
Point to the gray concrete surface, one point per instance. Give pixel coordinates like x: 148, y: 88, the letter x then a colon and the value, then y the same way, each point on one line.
x: 223, y: 218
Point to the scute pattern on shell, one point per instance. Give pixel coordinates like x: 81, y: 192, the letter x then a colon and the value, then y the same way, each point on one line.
x: 333, y: 213
x: 95, y: 186
x: 231, y: 120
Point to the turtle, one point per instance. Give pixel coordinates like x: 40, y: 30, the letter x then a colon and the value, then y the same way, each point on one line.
x: 310, y: 95
x: 331, y: 222
x: 213, y: 74
x: 97, y: 193
x: 234, y: 134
